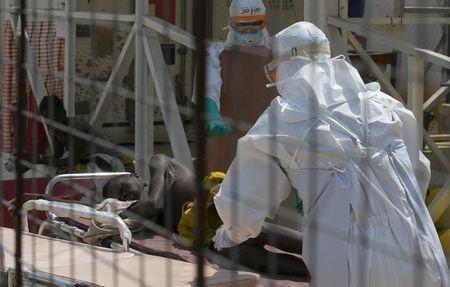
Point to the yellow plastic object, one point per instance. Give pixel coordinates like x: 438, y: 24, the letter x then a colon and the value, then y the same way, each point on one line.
x: 127, y: 160
x: 444, y: 236
x: 81, y: 168
x: 186, y: 226
x: 438, y: 202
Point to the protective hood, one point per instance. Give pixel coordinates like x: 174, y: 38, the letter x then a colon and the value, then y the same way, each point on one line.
x: 303, y: 82
x: 247, y: 10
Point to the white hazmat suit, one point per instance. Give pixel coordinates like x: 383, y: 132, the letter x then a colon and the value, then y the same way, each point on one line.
x: 240, y: 10
x: 352, y: 154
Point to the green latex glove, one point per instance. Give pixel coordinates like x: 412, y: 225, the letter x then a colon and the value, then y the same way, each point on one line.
x: 215, y: 125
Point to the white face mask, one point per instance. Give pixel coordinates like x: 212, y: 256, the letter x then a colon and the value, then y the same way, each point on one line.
x: 248, y: 39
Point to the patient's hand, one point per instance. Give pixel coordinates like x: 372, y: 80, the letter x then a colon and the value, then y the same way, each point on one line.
x: 141, y: 210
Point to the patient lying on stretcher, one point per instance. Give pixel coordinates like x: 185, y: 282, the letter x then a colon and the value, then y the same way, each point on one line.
x: 168, y: 198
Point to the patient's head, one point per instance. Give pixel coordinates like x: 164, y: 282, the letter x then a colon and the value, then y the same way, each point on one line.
x: 124, y: 187
x: 52, y: 107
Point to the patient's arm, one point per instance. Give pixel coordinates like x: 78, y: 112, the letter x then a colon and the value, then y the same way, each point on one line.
x: 171, y: 185
x: 252, y: 253
x: 286, y: 239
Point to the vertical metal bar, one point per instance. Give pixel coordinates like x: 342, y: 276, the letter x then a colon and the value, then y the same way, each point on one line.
x: 140, y: 89
x: 93, y: 8
x: 69, y: 59
x: 2, y: 21
x: 200, y: 30
x: 2, y: 77
x: 315, y: 12
x: 447, y: 50
x: 19, y: 139
x: 416, y: 91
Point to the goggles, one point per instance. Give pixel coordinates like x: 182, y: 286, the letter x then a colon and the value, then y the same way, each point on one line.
x: 248, y: 24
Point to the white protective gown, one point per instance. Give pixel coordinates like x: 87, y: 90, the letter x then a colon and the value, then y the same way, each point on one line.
x: 213, y: 69
x: 351, y: 152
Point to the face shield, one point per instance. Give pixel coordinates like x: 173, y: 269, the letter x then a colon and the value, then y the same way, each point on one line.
x: 307, y: 53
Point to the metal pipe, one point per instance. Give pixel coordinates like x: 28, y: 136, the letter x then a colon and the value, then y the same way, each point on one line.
x: 21, y: 85
x: 141, y: 115
x: 69, y: 60
x: 201, y: 29
x: 70, y: 210
x: 61, y: 177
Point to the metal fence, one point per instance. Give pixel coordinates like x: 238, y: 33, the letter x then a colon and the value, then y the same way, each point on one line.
x: 79, y: 126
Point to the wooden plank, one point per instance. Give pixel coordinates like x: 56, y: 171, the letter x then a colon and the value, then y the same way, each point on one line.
x: 77, y: 16
x: 441, y: 137
x: 395, y: 21
x: 171, y: 31
x: 384, y: 81
x: 440, y: 202
x: 435, y: 98
x: 393, y: 92
x: 338, y: 42
x: 416, y: 79
x: 421, y: 10
x: 391, y: 41
x: 114, y: 268
x: 444, y: 109
x: 444, y: 237
x: 69, y: 60
x: 343, y: 13
x: 120, y: 70
x: 437, y: 152
x: 166, y: 99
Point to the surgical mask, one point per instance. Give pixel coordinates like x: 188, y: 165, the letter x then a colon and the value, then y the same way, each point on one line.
x: 248, y: 39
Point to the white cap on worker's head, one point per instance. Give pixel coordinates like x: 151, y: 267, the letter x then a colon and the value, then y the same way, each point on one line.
x: 247, y: 8
x: 300, y: 39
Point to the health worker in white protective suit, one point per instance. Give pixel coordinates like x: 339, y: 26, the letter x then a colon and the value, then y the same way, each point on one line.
x: 247, y: 27
x: 352, y: 154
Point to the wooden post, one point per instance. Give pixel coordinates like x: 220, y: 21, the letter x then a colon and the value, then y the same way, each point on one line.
x: 416, y: 90
x: 166, y: 99
x: 343, y: 14
x: 120, y: 70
